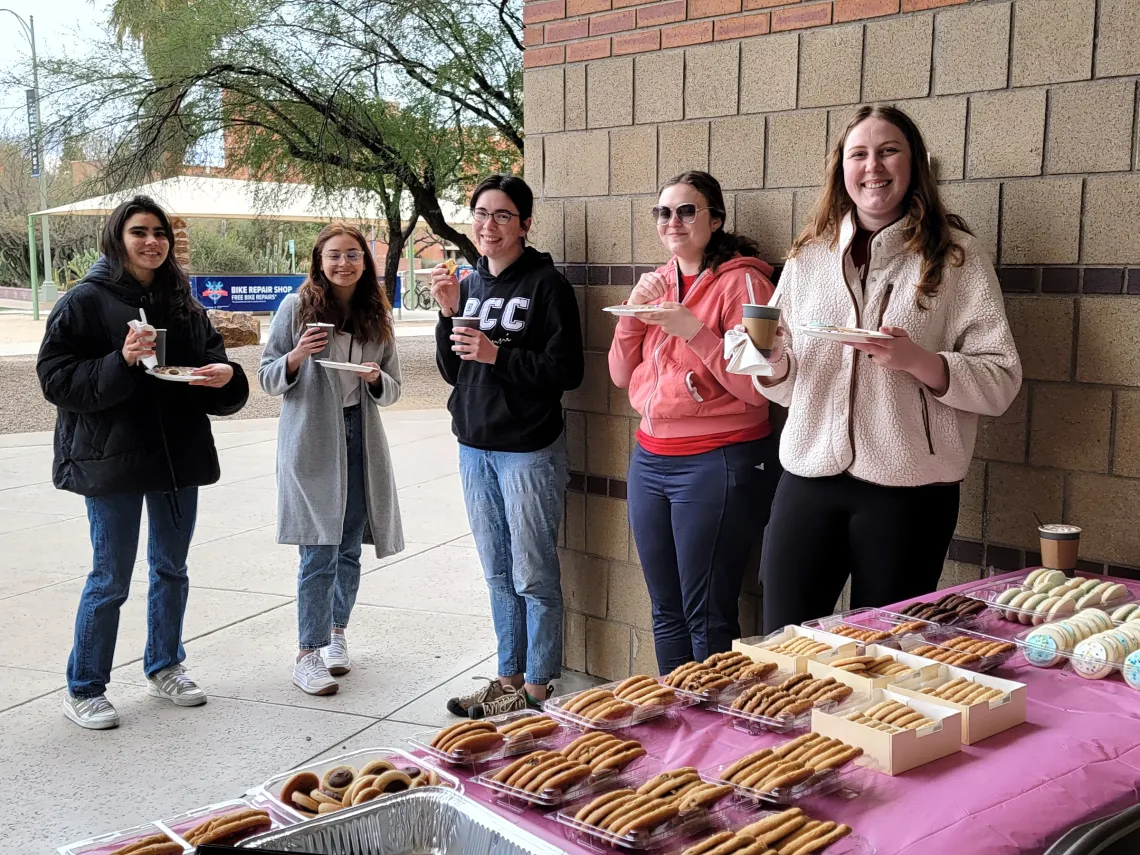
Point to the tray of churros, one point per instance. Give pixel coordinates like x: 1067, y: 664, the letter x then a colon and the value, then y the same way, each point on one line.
x: 809, y: 765
x: 617, y: 705
x: 871, y: 626
x: 547, y: 778
x: 721, y: 671
x: 664, y: 809
x: 784, y: 703
x: 474, y: 742
x: 789, y: 832
x: 961, y: 648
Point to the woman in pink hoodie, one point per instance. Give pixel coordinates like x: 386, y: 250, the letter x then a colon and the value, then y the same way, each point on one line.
x: 705, y: 468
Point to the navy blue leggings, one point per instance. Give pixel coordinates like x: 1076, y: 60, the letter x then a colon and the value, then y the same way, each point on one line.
x: 696, y: 520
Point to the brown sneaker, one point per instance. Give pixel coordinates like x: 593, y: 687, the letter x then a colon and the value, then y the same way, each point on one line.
x: 512, y: 700
x: 462, y: 705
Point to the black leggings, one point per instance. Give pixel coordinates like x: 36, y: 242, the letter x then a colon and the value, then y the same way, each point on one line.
x: 891, y: 541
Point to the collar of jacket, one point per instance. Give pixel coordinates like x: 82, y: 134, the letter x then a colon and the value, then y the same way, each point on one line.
x: 124, y: 288
x: 886, y: 243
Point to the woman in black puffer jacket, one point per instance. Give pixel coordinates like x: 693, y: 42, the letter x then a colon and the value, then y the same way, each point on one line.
x: 123, y: 437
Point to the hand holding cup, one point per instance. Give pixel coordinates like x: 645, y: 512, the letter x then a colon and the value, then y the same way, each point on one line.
x: 139, y: 344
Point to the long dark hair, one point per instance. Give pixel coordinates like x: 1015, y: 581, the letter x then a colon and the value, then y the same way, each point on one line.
x: 722, y: 246
x: 170, y: 289
x: 369, y: 313
x: 926, y: 224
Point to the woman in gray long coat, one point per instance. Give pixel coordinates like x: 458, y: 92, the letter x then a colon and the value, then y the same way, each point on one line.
x: 335, y: 484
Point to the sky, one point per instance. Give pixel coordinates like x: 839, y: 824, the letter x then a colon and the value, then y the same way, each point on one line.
x: 63, y: 27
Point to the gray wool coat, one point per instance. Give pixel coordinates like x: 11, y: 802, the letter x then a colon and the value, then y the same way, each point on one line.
x: 311, y: 455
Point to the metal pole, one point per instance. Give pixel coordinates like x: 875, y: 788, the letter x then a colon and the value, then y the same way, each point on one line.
x: 32, y: 267
x: 49, y: 274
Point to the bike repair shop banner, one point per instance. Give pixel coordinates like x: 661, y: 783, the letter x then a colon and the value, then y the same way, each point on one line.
x: 244, y: 293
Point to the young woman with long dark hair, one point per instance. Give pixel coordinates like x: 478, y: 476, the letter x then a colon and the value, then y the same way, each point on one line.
x: 336, y: 489
x: 705, y: 467
x: 123, y: 438
x: 520, y: 349
x: 879, y: 434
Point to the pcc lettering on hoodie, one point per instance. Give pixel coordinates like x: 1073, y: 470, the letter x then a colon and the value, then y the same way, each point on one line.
x: 496, y: 313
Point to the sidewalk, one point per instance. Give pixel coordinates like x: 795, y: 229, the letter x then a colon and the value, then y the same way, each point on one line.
x: 420, y: 631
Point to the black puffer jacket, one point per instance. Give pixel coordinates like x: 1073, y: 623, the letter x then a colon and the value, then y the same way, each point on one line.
x: 119, y: 430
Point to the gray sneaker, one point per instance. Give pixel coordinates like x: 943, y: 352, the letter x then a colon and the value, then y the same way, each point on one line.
x: 173, y: 685
x: 462, y: 705
x: 92, y: 713
x: 512, y: 700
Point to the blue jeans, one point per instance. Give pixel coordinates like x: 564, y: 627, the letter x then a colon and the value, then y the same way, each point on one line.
x: 115, y: 522
x: 514, y: 504
x: 696, y: 519
x: 330, y: 575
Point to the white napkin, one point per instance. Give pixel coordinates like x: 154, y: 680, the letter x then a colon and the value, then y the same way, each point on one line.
x: 743, y: 357
x: 150, y: 362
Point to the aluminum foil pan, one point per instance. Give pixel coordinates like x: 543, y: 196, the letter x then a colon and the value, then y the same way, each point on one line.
x: 426, y: 821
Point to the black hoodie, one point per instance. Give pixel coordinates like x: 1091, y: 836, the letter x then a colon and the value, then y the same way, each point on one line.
x: 119, y: 430
x: 530, y: 312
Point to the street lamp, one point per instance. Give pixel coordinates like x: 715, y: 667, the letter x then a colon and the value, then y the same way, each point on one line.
x: 29, y: 28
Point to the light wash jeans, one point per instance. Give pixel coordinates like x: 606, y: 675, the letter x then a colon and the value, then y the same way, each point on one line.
x: 115, y: 522
x: 330, y: 575
x: 514, y: 503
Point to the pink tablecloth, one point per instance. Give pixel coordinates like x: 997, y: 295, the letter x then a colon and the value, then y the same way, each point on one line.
x: 1076, y: 758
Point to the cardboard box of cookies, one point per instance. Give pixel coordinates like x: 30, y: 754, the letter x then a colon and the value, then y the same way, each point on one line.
x: 792, y: 647
x: 877, y: 668
x: 896, y: 731
x: 988, y: 704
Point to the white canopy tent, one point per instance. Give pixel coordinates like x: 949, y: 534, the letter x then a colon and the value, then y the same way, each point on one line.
x: 194, y: 197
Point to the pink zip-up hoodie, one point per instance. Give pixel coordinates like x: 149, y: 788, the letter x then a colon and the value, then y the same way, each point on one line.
x: 681, y: 388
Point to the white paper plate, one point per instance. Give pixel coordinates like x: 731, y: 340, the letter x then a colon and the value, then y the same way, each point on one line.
x: 630, y: 310
x: 844, y: 334
x: 174, y: 378
x: 344, y: 366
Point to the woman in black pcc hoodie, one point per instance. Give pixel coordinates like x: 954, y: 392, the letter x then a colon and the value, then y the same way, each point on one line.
x: 517, y: 349
x: 122, y: 438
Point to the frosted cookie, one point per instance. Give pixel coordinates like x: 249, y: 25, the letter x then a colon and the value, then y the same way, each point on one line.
x: 1125, y: 612
x: 1029, y: 606
x: 1047, y: 580
x: 1060, y: 610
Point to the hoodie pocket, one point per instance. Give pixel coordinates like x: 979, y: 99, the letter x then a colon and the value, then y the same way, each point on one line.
x: 926, y: 419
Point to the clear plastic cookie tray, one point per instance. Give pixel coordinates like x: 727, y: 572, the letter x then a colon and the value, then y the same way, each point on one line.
x: 510, y: 748
x: 755, y: 723
x: 939, y: 638
x: 667, y: 834
x: 516, y: 798
x: 1043, y: 653
x: 873, y: 619
x: 106, y: 844
x: 989, y: 593
x: 847, y: 782
x: 271, y: 789
x: 637, y: 714
x: 741, y: 816
x: 180, y: 826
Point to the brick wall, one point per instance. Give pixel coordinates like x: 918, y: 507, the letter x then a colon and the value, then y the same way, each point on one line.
x: 1030, y: 110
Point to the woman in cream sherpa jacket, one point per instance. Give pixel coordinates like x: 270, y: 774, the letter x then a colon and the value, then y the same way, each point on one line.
x: 879, y: 436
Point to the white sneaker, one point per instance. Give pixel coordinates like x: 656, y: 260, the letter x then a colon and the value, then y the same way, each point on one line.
x: 92, y: 713
x: 336, y: 655
x: 173, y: 685
x: 311, y: 675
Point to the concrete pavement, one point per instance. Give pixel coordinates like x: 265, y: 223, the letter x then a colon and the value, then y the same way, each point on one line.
x: 420, y: 630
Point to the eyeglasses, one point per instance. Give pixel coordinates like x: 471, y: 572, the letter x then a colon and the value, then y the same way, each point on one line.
x: 686, y: 213
x: 354, y: 256
x: 503, y: 218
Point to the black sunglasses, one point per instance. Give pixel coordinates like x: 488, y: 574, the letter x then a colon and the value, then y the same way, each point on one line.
x: 686, y: 213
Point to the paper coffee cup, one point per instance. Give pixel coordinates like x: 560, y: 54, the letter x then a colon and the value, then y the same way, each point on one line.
x: 472, y: 323
x: 761, y: 323
x: 160, y: 347
x: 1060, y: 544
x: 326, y: 352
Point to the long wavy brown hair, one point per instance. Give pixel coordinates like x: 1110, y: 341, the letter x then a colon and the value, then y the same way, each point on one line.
x: 369, y: 313
x: 926, y: 224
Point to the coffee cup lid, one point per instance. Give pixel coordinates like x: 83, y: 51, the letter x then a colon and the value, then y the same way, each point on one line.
x: 1059, y: 531
x: 755, y: 310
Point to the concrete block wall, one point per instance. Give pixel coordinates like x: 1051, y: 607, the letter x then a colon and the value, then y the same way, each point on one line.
x: 1030, y: 110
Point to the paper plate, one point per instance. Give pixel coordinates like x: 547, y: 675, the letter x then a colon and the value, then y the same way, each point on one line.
x: 344, y: 366
x: 848, y: 335
x: 174, y: 378
x: 631, y: 310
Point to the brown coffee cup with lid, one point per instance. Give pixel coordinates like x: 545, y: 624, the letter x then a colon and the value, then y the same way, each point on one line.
x: 1060, y: 544
x: 761, y: 323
